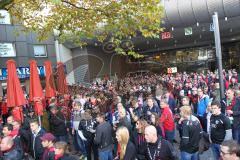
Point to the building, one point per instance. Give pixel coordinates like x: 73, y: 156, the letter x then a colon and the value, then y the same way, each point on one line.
x: 22, y: 47
x: 187, y: 43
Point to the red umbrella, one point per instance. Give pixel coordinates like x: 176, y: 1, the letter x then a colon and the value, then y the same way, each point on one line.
x: 50, y: 89
x: 61, y: 79
x: 15, y: 96
x: 35, y: 89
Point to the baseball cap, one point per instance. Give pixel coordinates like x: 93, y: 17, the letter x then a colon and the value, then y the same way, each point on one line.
x: 48, y: 137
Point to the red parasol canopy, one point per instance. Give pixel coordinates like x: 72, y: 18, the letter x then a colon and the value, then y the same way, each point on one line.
x: 15, y: 96
x: 35, y: 89
x: 61, y: 79
x: 50, y: 89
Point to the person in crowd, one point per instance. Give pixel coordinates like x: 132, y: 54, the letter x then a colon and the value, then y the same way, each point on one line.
x: 75, y: 120
x: 167, y: 121
x: 191, y: 134
x: 48, y: 141
x: 58, y: 124
x: 203, y: 103
x: 156, y: 147
x: 124, y: 120
x: 103, y: 138
x: 127, y: 150
x: 220, y: 129
x: 230, y: 150
x: 87, y: 128
x: 10, y: 119
x: 138, y: 138
x: 170, y: 99
x: 155, y: 122
x: 8, y: 149
x: 194, y: 100
x: 150, y: 108
x: 116, y: 117
x: 135, y: 110
x: 7, y: 129
x: 36, y: 148
x: 61, y: 151
x: 233, y: 111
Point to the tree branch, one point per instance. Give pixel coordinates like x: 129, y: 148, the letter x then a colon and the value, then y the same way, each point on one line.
x: 5, y: 3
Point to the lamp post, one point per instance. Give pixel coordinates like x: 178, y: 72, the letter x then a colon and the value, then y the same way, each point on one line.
x: 218, y: 53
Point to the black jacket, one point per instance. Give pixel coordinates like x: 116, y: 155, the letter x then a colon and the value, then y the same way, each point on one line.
x: 103, y: 136
x: 13, y: 154
x: 165, y: 152
x: 191, y: 135
x: 85, y: 126
x: 236, y: 113
x: 139, y: 142
x: 67, y: 157
x: 58, y: 125
x: 36, y: 148
x: 130, y: 153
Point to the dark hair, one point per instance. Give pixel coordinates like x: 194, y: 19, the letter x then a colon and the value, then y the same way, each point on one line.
x: 8, y: 126
x: 34, y: 120
x: 101, y: 115
x: 216, y: 103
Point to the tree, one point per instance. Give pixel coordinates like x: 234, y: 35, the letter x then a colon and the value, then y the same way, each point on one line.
x: 83, y: 20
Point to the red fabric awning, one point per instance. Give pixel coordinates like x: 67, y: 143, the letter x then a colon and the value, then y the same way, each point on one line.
x: 61, y: 79
x: 50, y: 89
x: 35, y: 89
x: 15, y: 96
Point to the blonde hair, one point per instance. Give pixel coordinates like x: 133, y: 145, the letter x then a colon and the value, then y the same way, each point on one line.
x: 124, y: 137
x: 186, y: 110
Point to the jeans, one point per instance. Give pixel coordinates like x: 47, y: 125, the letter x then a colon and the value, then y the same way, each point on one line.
x: 91, y: 147
x: 236, y: 134
x: 170, y: 135
x: 78, y: 143
x: 216, y: 150
x: 105, y: 155
x: 189, y: 156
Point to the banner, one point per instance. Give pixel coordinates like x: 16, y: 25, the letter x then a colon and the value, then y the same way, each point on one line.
x: 172, y: 70
x: 22, y: 72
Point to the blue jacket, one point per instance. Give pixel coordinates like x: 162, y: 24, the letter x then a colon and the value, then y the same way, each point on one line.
x: 202, y: 105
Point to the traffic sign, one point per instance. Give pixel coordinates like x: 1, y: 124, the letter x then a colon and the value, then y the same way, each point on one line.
x: 188, y: 31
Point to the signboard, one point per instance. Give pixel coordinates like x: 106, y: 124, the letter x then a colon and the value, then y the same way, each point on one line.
x: 22, y: 72
x: 4, y: 17
x: 166, y: 35
x: 172, y: 70
x: 7, y: 50
x: 188, y: 31
x: 211, y: 27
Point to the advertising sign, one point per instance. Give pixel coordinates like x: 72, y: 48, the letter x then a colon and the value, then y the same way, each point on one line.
x: 172, y: 70
x: 7, y: 50
x: 22, y: 72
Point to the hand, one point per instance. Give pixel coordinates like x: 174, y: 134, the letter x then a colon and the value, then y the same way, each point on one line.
x: 92, y: 130
x: 229, y: 112
x: 180, y: 120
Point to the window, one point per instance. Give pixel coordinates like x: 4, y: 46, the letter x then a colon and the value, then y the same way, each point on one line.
x: 7, y: 50
x: 4, y: 17
x: 40, y: 51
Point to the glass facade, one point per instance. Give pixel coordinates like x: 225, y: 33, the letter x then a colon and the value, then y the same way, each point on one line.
x: 196, y: 59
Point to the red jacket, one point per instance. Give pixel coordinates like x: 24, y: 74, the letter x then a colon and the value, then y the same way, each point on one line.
x: 167, y: 120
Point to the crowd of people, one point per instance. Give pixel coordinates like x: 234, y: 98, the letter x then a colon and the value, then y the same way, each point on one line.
x: 133, y: 118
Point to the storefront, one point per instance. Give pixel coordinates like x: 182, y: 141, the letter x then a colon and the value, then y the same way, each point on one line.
x: 23, y: 75
x: 196, y: 59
